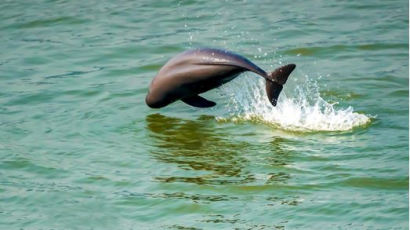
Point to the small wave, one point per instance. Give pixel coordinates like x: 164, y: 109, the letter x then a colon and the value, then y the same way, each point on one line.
x: 332, y: 50
x: 304, y: 111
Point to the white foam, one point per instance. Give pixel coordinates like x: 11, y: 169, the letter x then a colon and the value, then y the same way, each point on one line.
x: 304, y: 110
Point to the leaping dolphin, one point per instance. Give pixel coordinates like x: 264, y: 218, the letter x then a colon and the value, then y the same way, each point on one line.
x: 196, y: 71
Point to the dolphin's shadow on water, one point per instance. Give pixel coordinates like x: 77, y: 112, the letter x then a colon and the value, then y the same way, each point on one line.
x: 204, y: 145
x: 196, y: 145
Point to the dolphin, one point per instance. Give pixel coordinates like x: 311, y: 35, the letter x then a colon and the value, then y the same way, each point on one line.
x: 196, y: 71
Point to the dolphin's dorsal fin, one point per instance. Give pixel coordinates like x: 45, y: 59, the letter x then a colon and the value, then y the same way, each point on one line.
x: 198, y: 101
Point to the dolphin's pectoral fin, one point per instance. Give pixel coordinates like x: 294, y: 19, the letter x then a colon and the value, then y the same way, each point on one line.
x: 198, y: 101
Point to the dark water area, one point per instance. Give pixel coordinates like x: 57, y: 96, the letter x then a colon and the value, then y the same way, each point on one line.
x: 80, y: 149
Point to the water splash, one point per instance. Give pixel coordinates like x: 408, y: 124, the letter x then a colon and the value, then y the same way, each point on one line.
x: 304, y: 111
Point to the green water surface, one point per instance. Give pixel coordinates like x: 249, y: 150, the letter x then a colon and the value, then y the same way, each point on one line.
x: 80, y: 149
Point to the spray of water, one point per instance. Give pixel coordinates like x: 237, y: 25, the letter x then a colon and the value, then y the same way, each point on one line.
x: 304, y: 111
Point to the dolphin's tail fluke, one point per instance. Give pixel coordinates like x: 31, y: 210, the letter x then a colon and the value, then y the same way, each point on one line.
x: 279, y: 78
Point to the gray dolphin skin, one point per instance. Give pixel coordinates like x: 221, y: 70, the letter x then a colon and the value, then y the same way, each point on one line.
x: 196, y: 71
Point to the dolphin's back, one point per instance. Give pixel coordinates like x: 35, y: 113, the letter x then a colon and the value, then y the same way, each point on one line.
x: 209, y: 56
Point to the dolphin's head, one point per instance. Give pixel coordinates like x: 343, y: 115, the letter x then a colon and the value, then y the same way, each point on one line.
x: 278, y: 78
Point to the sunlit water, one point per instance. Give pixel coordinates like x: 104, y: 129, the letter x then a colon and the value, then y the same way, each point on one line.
x: 80, y: 149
